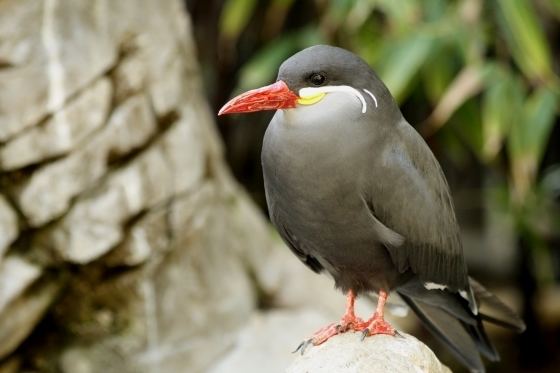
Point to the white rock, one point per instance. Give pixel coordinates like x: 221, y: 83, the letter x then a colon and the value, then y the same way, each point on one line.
x: 18, y: 44
x: 149, y: 235
x: 50, y: 57
x: 8, y: 225
x: 129, y: 77
x: 49, y: 192
x: 16, y: 274
x: 131, y: 124
x: 21, y: 316
x: 90, y: 229
x: 172, y: 165
x: 167, y: 89
x: 376, y: 354
x: 184, y: 310
x: 62, y: 132
x: 184, y: 147
x: 267, y: 341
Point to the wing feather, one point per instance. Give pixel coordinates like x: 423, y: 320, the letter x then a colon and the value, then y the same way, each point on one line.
x: 299, y: 251
x: 412, y: 199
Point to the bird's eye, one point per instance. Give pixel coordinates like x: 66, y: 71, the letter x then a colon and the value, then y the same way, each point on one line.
x: 317, y: 79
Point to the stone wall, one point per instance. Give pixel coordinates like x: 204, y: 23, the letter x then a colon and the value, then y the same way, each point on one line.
x: 125, y: 245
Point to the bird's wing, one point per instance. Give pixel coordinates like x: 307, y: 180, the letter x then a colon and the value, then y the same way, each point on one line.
x: 294, y: 245
x: 408, y: 194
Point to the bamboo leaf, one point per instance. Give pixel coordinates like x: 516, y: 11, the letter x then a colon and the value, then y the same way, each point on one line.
x: 528, y: 136
x: 401, y: 13
x: 525, y: 38
x: 402, y: 59
x: 540, y: 112
x: 262, y: 68
x: 501, y: 106
x: 465, y: 85
x: 466, y: 122
x: 437, y: 74
x: 554, y: 7
x: 234, y: 18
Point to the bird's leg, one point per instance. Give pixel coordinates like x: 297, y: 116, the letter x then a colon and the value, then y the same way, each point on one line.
x: 349, y: 321
x: 377, y: 324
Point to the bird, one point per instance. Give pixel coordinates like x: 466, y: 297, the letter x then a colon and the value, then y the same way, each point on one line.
x: 354, y: 191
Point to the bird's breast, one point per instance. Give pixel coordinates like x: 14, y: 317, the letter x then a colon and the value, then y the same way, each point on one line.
x: 314, y: 177
x: 315, y: 161
x: 314, y: 172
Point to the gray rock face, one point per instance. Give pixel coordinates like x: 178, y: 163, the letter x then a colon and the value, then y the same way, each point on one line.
x: 62, y: 132
x: 16, y: 274
x: 50, y: 190
x: 49, y: 56
x: 267, y: 341
x: 122, y: 232
x: 8, y: 225
x: 111, y: 157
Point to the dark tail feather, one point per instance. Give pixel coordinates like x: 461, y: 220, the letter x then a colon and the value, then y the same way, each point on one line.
x: 450, y: 331
x: 448, y: 316
x: 482, y: 341
x: 493, y: 310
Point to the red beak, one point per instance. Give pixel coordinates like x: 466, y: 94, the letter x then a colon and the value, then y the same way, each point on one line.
x: 271, y: 97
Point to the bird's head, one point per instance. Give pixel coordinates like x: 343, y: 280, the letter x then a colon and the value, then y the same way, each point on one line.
x: 307, y: 77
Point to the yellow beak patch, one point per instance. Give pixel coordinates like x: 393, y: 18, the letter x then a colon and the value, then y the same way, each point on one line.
x: 312, y: 99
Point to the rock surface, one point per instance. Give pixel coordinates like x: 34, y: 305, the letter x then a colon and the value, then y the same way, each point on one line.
x: 62, y: 132
x: 376, y: 354
x: 8, y: 225
x: 268, y: 340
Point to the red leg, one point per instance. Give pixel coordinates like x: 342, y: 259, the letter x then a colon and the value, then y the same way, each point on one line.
x: 377, y: 324
x: 349, y: 321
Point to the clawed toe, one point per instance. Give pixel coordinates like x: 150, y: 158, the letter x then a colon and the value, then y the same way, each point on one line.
x: 365, y: 333
x: 303, y: 345
x: 375, y: 325
x: 379, y: 326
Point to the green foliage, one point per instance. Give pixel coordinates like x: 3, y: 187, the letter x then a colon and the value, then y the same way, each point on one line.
x: 401, y: 59
x: 235, y: 16
x: 263, y: 66
x: 525, y: 38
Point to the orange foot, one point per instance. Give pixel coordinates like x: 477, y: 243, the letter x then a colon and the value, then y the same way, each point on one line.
x: 348, y: 322
x: 377, y: 325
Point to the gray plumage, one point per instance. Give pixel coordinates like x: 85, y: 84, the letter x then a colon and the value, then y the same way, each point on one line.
x: 362, y: 197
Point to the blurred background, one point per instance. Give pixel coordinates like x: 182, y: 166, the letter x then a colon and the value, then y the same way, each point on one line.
x: 133, y: 228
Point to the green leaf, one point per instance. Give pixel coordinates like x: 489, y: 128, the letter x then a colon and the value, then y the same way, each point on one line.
x: 529, y: 136
x: 501, y: 106
x: 437, y: 73
x: 525, y: 38
x: 466, y: 122
x: 554, y: 7
x: 540, y: 112
x: 465, y: 85
x: 234, y: 18
x: 262, y: 68
x: 402, y: 59
x: 401, y: 14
